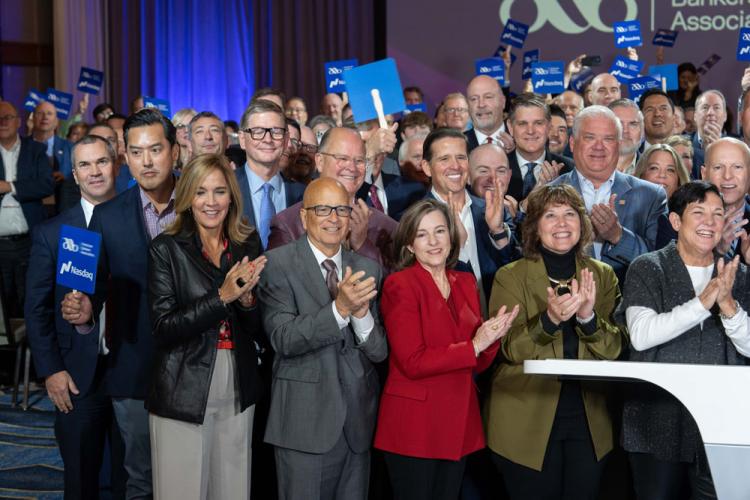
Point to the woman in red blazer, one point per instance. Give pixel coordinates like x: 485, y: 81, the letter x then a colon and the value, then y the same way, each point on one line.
x: 429, y: 417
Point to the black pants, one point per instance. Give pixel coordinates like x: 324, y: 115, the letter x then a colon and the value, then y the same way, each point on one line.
x: 424, y: 478
x: 14, y: 261
x: 570, y: 470
x: 656, y: 479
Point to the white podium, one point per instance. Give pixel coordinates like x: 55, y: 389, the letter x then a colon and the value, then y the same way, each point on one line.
x: 717, y: 396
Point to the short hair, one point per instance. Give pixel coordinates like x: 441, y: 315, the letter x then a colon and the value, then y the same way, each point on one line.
x: 183, y: 116
x: 537, y: 202
x: 627, y: 103
x: 680, y: 140
x: 414, y: 88
x: 102, y: 125
x: 291, y: 122
x: 687, y: 66
x: 527, y: 100
x: 266, y: 91
x: 191, y: 178
x: 439, y: 134
x: 596, y: 111
x: 705, y: 93
x: 320, y: 120
x: 454, y: 95
x: 653, y: 92
x: 150, y: 116
x: 231, y: 124
x: 260, y: 106
x: 92, y: 139
x: 683, y: 176
x: 731, y: 140
x: 691, y: 192
x: 99, y: 108
x: 407, y: 229
x: 83, y: 125
x: 203, y: 114
x: 555, y: 110
x: 416, y: 119
x: 116, y: 116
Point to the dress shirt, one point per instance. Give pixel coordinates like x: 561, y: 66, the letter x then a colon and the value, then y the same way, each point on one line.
x: 157, y: 222
x: 12, y: 220
x: 88, y: 211
x: 361, y: 326
x: 482, y: 138
x: 378, y: 183
x: 278, y: 195
x: 523, y: 164
x: 592, y: 196
x: 50, y: 146
x: 469, y: 251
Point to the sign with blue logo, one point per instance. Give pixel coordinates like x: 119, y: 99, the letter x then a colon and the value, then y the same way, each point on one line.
x: 417, y: 107
x: 501, y: 50
x: 529, y: 58
x: 579, y: 80
x: 381, y: 75
x: 668, y: 71
x: 335, y: 74
x: 627, y: 34
x: 637, y: 86
x: 160, y: 104
x: 665, y: 37
x: 625, y: 69
x: 514, y: 33
x: 33, y: 98
x: 491, y: 66
x: 62, y: 102
x: 90, y: 81
x: 548, y: 77
x: 743, y: 45
x: 77, y: 258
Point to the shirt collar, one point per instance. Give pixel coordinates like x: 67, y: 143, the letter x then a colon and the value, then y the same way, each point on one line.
x: 467, y: 202
x: 146, y: 201
x: 609, y: 181
x: 481, y: 138
x: 320, y: 256
x: 88, y: 209
x: 256, y: 183
x: 523, y: 161
x: 15, y: 147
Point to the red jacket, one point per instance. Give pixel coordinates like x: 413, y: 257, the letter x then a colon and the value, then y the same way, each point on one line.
x: 429, y: 407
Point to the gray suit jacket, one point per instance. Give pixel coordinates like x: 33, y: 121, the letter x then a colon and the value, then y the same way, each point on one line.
x: 324, y: 382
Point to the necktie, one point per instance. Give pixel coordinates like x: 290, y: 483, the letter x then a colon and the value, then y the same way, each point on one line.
x: 488, y: 141
x: 374, y: 198
x: 529, y: 180
x: 267, y: 211
x: 332, y: 277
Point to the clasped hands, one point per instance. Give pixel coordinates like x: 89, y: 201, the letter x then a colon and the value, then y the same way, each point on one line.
x: 579, y: 301
x: 354, y: 294
x: 719, y: 289
x: 494, y: 328
x: 240, y: 281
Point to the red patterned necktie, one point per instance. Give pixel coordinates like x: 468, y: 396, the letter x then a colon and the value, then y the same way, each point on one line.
x: 374, y: 198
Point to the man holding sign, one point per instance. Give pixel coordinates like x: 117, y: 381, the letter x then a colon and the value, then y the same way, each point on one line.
x: 72, y: 364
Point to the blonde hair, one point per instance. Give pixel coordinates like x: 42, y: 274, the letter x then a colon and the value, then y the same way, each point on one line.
x: 683, y: 177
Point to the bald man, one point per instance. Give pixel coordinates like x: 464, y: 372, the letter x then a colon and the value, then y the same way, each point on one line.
x: 58, y: 149
x: 487, y: 110
x: 332, y: 106
x: 604, y: 89
x: 318, y: 306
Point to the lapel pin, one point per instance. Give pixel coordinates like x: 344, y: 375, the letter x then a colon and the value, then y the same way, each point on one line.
x: 622, y: 202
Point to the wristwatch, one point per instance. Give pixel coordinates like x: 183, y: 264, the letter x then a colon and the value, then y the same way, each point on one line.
x: 500, y: 236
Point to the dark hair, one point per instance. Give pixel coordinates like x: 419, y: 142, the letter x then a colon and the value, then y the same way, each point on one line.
x: 198, y: 116
x: 439, y: 134
x: 266, y: 91
x: 416, y: 89
x: 652, y: 92
x: 91, y: 139
x: 691, y: 192
x: 415, y: 119
x: 538, y: 202
x: 101, y: 107
x: 83, y: 125
x: 150, y: 116
x: 291, y: 122
x: 116, y: 116
x: 687, y: 66
x: 407, y: 232
x: 260, y: 106
x: 231, y: 124
x: 527, y: 100
x: 555, y: 110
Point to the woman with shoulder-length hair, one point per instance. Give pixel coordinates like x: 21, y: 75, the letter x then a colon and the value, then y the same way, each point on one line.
x: 660, y: 164
x: 202, y: 271
x: 549, y: 438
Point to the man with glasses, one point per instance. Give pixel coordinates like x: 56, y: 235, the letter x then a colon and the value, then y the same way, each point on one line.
x: 263, y: 136
x: 318, y: 304
x: 293, y: 135
x: 487, y: 110
x: 456, y: 111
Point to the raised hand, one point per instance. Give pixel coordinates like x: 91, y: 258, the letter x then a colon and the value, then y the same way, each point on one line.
x: 358, y: 224
x: 587, y: 291
x: 508, y: 143
x: 606, y: 222
x: 733, y: 229
x: 495, y: 206
x: 236, y: 282
x: 494, y: 328
x: 355, y: 293
x: 562, y: 307
x: 255, y: 267
x: 725, y: 274
x: 455, y: 205
x: 380, y: 140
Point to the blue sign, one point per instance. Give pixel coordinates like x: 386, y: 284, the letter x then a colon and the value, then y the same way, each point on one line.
x: 625, y: 69
x: 637, y: 86
x: 491, y: 66
x: 668, y: 71
x: 160, y: 104
x: 529, y: 58
x: 335, y: 74
x: 579, y: 80
x: 62, y: 102
x: 743, y: 45
x: 33, y: 98
x: 514, y: 33
x: 548, y: 77
x: 381, y: 75
x: 665, y: 37
x: 417, y: 107
x: 627, y: 34
x: 77, y: 258
x: 501, y: 50
x: 90, y: 81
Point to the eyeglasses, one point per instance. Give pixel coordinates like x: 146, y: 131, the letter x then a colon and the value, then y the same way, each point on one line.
x: 259, y: 133
x: 342, y: 159
x: 309, y: 148
x: 456, y: 111
x: 325, y: 210
x: 294, y: 143
x: 7, y: 118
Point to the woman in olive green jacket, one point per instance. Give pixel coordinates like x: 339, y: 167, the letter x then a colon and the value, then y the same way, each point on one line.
x: 549, y: 437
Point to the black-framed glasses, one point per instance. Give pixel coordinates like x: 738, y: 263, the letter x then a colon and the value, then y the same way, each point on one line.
x: 7, y: 118
x: 259, y: 133
x: 343, y: 159
x: 325, y: 210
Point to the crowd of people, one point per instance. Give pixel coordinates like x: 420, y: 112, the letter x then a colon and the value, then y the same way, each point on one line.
x: 319, y: 308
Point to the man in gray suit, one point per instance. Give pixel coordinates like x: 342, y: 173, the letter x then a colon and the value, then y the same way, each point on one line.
x: 320, y: 314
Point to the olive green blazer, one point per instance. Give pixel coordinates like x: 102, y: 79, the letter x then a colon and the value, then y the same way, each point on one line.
x: 521, y: 408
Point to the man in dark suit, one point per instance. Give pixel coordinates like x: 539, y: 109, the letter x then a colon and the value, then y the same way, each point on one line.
x: 58, y: 149
x: 265, y: 192
x: 710, y: 116
x: 71, y: 363
x: 487, y: 108
x: 127, y: 224
x: 394, y: 193
x: 25, y: 180
x: 341, y: 156
x: 529, y: 123
x: 319, y: 312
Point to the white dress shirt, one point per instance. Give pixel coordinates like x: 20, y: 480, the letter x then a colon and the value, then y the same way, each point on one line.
x: 88, y: 211
x: 361, y: 326
x: 523, y: 164
x: 592, y: 196
x: 482, y: 138
x: 469, y: 250
x: 12, y: 220
x: 380, y: 189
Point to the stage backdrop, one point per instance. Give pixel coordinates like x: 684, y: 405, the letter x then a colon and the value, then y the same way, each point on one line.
x: 435, y: 42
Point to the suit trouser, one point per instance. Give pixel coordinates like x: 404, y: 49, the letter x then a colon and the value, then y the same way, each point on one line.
x: 14, y: 262
x: 339, y: 474
x: 208, y: 461
x: 132, y: 421
x: 416, y: 478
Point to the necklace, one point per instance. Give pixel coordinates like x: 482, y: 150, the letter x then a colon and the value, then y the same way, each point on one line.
x: 561, y: 287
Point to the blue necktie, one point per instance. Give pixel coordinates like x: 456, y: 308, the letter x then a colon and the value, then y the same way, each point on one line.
x: 529, y: 180
x: 267, y: 211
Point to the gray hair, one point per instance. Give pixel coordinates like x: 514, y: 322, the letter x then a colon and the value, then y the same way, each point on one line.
x: 627, y: 103
x: 705, y: 93
x: 203, y: 114
x: 405, y: 146
x: 596, y: 111
x: 92, y: 139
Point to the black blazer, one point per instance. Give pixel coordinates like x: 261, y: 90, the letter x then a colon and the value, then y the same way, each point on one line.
x: 515, y: 187
x: 292, y: 190
x: 185, y: 313
x: 33, y: 180
x: 400, y: 192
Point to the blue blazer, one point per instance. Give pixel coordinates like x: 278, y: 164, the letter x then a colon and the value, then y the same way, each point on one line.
x: 400, y: 191
x: 122, y: 280
x: 292, y: 190
x: 62, y: 150
x: 639, y: 206
x: 33, y: 180
x: 55, y: 343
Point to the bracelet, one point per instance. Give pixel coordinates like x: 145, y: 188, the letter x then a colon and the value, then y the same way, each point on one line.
x: 221, y: 299
x: 736, y: 311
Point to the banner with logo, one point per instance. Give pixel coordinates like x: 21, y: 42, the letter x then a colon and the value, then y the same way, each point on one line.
x: 493, y: 67
x: 335, y: 74
x: 62, y: 102
x: 160, y: 104
x: 547, y: 77
x: 90, y: 80
x: 77, y: 258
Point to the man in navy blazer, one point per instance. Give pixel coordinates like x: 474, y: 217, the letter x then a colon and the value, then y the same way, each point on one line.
x: 625, y: 211
x: 393, y: 194
x: 710, y: 116
x: 72, y: 363
x: 58, y: 149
